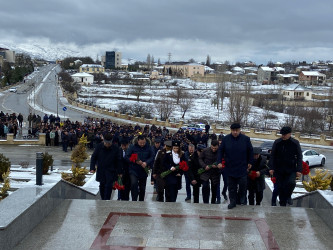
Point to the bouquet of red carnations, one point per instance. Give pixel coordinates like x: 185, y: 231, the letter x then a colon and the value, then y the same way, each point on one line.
x: 134, y: 158
x: 118, y: 184
x: 182, y: 166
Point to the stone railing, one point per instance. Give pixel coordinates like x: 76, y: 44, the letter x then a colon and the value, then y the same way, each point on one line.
x: 11, y: 141
x: 275, y: 134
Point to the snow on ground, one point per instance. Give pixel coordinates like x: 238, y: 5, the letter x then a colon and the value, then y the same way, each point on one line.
x: 111, y: 96
x: 26, y: 177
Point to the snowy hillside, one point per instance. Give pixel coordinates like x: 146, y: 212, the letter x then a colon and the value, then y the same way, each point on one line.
x: 46, y: 51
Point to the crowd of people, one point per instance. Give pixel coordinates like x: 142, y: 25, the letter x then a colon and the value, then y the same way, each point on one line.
x: 130, y: 152
x: 10, y: 123
x: 170, y: 156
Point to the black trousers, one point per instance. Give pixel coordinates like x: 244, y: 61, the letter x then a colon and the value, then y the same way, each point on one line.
x: 206, y: 191
x: 160, y: 188
x: 257, y: 194
x: 196, y: 192
x: 237, y: 187
x: 105, y: 190
x: 225, y: 183
x: 286, y: 184
x: 138, y: 187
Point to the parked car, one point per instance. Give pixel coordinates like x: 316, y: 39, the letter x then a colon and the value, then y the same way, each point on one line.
x: 266, y: 148
x: 313, y: 158
x: 13, y: 89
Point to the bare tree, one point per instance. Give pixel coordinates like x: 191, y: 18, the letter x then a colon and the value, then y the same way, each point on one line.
x: 239, y: 104
x: 165, y: 108
x: 329, y: 110
x: 138, y: 91
x: 220, y: 93
x: 177, y: 94
x: 186, y: 102
x: 312, y: 120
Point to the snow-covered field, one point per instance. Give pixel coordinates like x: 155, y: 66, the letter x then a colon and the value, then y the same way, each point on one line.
x: 111, y: 96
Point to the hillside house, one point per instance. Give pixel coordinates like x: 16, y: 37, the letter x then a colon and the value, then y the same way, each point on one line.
x: 312, y: 78
x: 297, y: 92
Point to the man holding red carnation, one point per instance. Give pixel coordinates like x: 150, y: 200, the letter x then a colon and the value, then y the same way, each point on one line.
x: 175, y: 162
x: 256, y: 177
x: 211, y: 175
x: 237, y: 151
x: 140, y: 157
x: 107, y: 158
x: 286, y: 164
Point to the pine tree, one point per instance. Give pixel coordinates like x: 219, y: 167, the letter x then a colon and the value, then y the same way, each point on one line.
x: 4, y: 165
x: 5, y: 186
x: 78, y: 156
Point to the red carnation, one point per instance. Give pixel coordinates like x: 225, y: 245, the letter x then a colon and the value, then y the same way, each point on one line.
x: 115, y: 185
x: 133, y: 158
x: 273, y: 179
x: 305, y: 168
x: 253, y: 175
x: 223, y: 163
x: 183, y: 166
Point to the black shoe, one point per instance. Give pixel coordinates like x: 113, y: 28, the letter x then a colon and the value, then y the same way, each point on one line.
x: 231, y: 206
x: 218, y: 201
x: 225, y: 196
x: 290, y: 201
x: 273, y: 203
x: 187, y: 199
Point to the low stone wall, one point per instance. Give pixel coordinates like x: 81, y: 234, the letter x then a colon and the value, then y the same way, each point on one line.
x: 27, y: 207
x: 275, y: 134
x: 252, y: 133
x: 11, y: 141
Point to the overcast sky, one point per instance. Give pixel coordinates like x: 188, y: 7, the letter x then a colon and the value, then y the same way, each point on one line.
x: 256, y: 30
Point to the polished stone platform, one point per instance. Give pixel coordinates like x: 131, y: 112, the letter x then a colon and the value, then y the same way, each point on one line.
x: 95, y: 224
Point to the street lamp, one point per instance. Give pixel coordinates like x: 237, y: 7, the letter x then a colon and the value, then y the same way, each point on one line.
x: 57, y: 82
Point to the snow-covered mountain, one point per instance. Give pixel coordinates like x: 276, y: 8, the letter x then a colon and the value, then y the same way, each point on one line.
x: 47, y: 51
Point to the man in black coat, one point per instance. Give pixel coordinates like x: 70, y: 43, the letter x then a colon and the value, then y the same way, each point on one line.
x: 256, y: 177
x: 124, y: 194
x: 194, y: 166
x: 208, y: 161
x: 285, y: 164
x: 138, y: 169
x: 107, y: 158
x: 158, y: 169
x: 237, y: 151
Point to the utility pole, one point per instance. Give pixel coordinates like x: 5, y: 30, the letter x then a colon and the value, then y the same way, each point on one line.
x: 169, y: 57
x: 57, y: 83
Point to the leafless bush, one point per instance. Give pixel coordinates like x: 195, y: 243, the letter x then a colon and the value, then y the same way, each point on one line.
x: 24, y: 164
x: 164, y: 108
x: 137, y: 109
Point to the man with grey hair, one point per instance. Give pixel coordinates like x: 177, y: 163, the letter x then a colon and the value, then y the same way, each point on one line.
x: 188, y: 154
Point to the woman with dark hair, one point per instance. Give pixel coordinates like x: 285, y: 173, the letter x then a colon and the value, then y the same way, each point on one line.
x: 173, y: 181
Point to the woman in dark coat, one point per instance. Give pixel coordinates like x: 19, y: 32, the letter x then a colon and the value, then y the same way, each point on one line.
x: 256, y: 177
x: 173, y: 181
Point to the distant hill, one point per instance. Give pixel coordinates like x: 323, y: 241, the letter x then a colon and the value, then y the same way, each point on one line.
x: 50, y: 53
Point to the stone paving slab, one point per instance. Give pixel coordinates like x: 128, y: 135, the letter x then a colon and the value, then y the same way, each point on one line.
x: 95, y: 224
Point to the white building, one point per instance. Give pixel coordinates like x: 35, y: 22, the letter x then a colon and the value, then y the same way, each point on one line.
x: 297, y: 92
x: 83, y: 78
